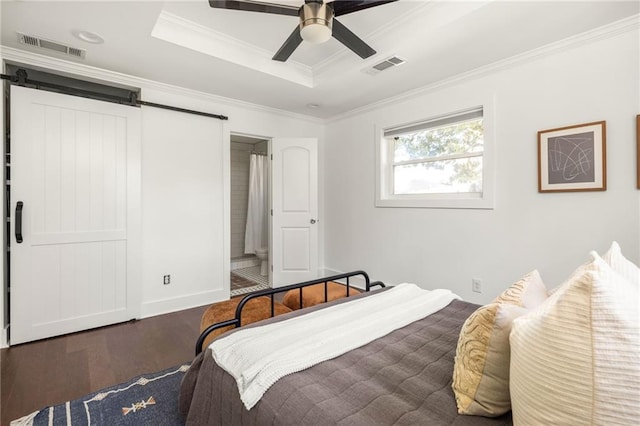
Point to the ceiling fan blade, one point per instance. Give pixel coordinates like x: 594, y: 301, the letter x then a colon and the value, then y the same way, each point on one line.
x: 289, y: 46
x: 255, y: 6
x: 341, y: 7
x: 352, y: 41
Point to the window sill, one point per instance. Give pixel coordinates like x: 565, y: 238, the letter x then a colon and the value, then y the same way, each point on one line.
x: 449, y: 201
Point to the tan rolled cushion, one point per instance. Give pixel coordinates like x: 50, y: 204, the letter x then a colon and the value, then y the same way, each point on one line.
x: 314, y: 295
x: 576, y: 359
x: 481, y: 370
x: 528, y: 292
x: 253, y: 311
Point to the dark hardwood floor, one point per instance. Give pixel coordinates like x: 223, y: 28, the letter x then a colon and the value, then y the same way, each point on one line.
x: 52, y: 371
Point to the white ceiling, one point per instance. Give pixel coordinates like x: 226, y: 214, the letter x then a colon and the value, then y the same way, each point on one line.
x: 227, y: 53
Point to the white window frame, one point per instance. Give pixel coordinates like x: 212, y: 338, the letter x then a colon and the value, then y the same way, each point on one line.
x: 384, y: 167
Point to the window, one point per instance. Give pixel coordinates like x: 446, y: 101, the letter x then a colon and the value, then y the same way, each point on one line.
x: 440, y: 162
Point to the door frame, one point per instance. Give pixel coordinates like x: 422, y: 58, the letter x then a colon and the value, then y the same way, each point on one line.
x: 227, y: 225
x: 227, y: 189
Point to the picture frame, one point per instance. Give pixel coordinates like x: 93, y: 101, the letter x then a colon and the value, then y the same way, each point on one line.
x: 638, y: 147
x: 573, y: 158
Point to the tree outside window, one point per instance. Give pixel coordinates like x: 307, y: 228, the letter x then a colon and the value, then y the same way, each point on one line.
x: 443, y: 159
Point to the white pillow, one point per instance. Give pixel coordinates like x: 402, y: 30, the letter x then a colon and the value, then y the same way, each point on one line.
x: 622, y: 265
x: 576, y: 359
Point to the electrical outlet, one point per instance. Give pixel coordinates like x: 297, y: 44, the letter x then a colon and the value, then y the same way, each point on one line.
x: 476, y: 285
x: 167, y: 279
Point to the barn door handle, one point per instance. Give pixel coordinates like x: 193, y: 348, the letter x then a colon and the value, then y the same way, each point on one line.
x: 19, y: 222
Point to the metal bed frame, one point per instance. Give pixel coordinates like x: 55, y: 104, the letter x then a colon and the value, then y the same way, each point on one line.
x: 236, y: 321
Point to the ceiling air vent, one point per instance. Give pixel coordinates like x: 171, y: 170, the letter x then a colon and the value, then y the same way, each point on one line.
x: 51, y: 45
x: 384, y: 65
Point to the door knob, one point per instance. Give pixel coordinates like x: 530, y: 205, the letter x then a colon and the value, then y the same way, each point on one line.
x: 313, y: 221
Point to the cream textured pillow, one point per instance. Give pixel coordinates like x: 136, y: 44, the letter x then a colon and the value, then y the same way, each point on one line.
x: 622, y: 265
x: 481, y: 370
x: 576, y: 359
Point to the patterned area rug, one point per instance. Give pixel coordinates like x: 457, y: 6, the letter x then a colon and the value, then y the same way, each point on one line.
x: 151, y: 399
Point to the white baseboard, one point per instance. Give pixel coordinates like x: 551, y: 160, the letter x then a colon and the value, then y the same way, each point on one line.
x: 160, y: 307
x: 327, y: 272
x: 166, y: 306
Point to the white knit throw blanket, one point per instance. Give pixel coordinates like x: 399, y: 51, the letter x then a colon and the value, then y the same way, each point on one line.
x: 257, y: 357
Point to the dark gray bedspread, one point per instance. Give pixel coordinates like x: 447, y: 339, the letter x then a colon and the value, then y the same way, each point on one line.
x: 403, y: 378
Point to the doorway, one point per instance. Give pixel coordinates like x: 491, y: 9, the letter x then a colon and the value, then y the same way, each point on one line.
x: 290, y: 193
x: 249, y: 215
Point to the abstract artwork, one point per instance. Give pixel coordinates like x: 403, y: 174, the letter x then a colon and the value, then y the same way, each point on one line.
x: 572, y: 158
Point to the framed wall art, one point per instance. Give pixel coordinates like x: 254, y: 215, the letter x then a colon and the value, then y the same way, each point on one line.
x: 573, y: 158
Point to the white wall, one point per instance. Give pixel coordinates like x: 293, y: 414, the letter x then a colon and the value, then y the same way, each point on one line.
x: 526, y: 230
x: 180, y: 163
x: 182, y: 210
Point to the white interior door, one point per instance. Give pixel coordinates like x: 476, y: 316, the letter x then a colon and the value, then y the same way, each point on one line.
x: 294, y: 247
x: 75, y: 167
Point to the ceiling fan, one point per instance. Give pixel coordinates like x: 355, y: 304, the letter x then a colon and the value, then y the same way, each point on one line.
x: 317, y: 22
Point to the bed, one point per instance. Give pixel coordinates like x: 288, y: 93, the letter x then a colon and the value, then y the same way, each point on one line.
x: 401, y: 378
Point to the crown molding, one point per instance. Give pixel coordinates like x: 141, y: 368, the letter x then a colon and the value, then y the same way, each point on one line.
x: 26, y: 58
x: 612, y: 30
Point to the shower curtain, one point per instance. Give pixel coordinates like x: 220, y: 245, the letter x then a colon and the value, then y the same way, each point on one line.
x: 256, y: 232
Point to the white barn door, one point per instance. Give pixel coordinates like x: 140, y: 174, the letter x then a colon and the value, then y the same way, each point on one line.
x: 294, y: 248
x: 75, y: 191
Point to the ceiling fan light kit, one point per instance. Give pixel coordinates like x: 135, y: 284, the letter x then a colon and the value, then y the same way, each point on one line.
x: 317, y: 22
